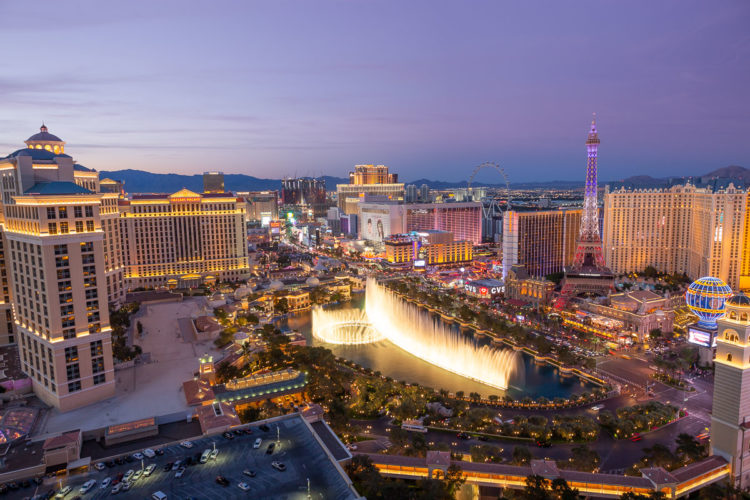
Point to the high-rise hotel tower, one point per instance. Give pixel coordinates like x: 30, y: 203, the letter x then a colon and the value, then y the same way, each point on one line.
x: 54, y: 255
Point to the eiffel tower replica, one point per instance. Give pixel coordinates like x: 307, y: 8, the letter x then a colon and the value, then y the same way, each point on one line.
x: 589, y: 273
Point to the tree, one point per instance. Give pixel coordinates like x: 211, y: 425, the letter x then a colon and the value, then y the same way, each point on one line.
x: 689, y: 449
x: 563, y: 491
x: 282, y: 306
x: 139, y: 327
x: 460, y: 394
x: 584, y: 458
x: 537, y: 488
x: 454, y: 479
x: 655, y: 334
x: 521, y: 455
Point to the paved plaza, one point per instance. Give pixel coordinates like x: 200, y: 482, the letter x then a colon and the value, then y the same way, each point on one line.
x: 149, y: 389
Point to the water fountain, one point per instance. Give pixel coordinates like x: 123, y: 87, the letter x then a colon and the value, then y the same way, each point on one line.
x: 349, y: 326
x: 416, y: 331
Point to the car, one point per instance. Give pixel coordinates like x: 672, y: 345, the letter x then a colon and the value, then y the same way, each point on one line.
x: 352, y: 447
x: 463, y: 435
x: 222, y: 480
x: 179, y: 472
x: 119, y: 477
x: 197, y: 458
x: 25, y: 483
x: 270, y: 448
x: 237, y: 432
x: 543, y: 444
x: 243, y: 486
x: 63, y: 492
x: 117, y: 489
x: 249, y: 473
x: 214, y: 453
x: 159, y: 495
x: 128, y: 475
x: 119, y: 461
x: 149, y: 470
x: 126, y: 485
x: 205, y: 456
x: 257, y: 443
x: 85, y: 487
x: 636, y: 437
x: 136, y: 476
x: 149, y: 453
x: 138, y: 455
x: 279, y: 466
x: 100, y: 466
x: 105, y: 483
x: 248, y: 431
x: 186, y: 444
x: 177, y: 465
x: 159, y: 451
x: 129, y: 459
x: 264, y: 428
x: 228, y: 435
x: 597, y: 407
x: 189, y: 461
x: 109, y: 464
x: 482, y: 437
x: 168, y: 466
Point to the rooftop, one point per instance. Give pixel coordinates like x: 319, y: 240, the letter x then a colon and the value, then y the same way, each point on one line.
x: 57, y: 187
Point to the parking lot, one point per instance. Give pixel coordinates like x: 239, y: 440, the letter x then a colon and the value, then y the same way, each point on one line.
x: 297, y: 449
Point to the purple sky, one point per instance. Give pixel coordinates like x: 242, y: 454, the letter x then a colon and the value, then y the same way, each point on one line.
x: 429, y: 88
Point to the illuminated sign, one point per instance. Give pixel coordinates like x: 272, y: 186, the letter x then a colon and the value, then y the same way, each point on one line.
x: 699, y: 337
x: 419, y: 263
x: 484, y: 291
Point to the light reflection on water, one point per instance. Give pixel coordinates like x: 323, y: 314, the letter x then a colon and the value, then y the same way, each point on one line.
x: 535, y: 380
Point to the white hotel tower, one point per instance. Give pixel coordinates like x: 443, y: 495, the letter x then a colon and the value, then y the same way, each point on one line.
x: 730, y: 419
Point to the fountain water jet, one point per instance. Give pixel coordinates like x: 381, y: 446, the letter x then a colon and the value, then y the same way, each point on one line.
x: 416, y: 331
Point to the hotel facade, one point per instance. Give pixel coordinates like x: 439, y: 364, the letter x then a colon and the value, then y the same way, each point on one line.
x: 68, y: 251
x: 683, y: 229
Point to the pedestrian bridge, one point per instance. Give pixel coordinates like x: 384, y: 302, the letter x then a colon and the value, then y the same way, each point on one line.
x: 675, y: 484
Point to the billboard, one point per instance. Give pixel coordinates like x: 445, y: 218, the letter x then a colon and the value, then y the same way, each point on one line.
x: 419, y: 263
x: 701, y: 337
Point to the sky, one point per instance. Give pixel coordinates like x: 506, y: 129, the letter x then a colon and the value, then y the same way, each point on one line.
x: 430, y: 88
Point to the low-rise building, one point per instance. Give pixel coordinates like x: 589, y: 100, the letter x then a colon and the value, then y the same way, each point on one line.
x: 640, y: 311
x: 520, y: 286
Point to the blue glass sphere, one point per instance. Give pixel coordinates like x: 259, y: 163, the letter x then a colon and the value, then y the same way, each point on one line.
x: 706, y: 297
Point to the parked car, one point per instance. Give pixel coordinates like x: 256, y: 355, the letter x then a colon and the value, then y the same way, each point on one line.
x: 279, y: 466
x: 99, y: 466
x: 105, y: 483
x: 179, y: 472
x: 159, y: 451
x: 214, y: 454
x: 186, y: 444
x: 126, y: 485
x: 222, y: 480
x: 228, y: 435
x: 264, y: 428
x: 257, y: 443
x: 270, y: 448
x: 249, y: 473
x: 128, y: 475
x: 117, y: 489
x: 63, y: 492
x: 205, y: 456
x: 138, y: 455
x: 148, y: 452
x: 149, y: 470
x: 243, y: 486
x: 177, y: 465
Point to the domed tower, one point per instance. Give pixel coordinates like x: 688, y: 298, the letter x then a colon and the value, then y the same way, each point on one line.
x: 730, y: 418
x: 45, y: 140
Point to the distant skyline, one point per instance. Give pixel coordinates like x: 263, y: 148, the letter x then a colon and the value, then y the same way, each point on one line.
x: 430, y: 89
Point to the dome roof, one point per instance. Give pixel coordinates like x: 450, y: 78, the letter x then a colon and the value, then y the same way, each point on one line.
x: 36, y: 154
x: 312, y: 281
x: 43, y: 136
x: 276, y: 285
x: 739, y: 300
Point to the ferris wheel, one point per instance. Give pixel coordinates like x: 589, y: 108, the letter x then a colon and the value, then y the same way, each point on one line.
x: 489, y: 209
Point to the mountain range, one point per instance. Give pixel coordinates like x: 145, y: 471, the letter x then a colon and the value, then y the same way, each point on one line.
x: 140, y: 181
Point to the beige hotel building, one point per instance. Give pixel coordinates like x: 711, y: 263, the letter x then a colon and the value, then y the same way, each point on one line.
x: 183, y: 239
x: 68, y: 251
x: 683, y: 229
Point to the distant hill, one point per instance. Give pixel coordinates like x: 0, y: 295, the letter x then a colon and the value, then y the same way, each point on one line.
x: 140, y: 181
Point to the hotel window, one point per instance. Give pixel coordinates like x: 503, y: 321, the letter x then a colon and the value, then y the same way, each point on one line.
x: 64, y: 228
x: 99, y: 379
x: 52, y: 228
x: 79, y: 226
x: 51, y: 213
x: 77, y: 212
x: 71, y: 354
x: 89, y: 211
x: 97, y: 349
x: 63, y: 212
x: 87, y: 246
x: 89, y: 225
x: 74, y: 386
